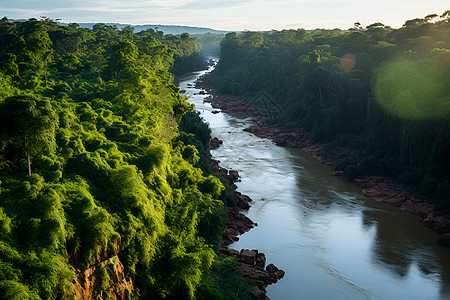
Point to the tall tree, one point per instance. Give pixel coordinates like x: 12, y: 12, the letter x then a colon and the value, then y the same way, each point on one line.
x: 28, y: 122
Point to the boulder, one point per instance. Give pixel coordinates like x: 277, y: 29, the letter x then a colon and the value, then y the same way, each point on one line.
x: 442, y: 225
x: 374, y: 193
x: 215, y: 143
x: 429, y: 222
x: 279, y: 274
x: 338, y: 173
x: 260, y: 261
x: 227, y: 252
x: 234, y: 175
x: 255, y: 274
x: 244, y: 202
x: 258, y: 294
x: 248, y: 257
x: 271, y: 268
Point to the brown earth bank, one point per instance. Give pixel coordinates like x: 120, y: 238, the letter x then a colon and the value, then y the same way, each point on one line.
x: 104, y: 278
x: 93, y: 284
x: 252, y: 262
x: 381, y: 189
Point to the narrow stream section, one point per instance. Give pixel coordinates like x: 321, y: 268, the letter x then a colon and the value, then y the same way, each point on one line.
x: 333, y: 242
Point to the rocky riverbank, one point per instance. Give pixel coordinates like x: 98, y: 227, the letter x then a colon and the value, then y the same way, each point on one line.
x: 381, y: 189
x: 277, y: 132
x: 252, y: 262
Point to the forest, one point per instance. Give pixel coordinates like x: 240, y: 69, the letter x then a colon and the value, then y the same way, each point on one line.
x: 101, y: 156
x: 381, y: 93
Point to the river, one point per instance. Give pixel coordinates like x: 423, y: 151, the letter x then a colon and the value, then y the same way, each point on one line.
x: 333, y: 242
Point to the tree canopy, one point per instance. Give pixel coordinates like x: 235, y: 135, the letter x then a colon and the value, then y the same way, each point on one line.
x: 113, y: 170
x: 377, y: 91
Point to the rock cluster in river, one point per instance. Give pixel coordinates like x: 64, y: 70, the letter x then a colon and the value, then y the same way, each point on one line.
x: 379, y: 188
x: 252, y: 262
x: 214, y: 143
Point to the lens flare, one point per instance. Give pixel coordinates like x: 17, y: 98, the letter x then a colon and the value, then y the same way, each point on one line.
x: 348, y: 62
x: 414, y: 90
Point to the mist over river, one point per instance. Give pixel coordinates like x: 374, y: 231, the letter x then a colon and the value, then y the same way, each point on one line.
x: 333, y: 242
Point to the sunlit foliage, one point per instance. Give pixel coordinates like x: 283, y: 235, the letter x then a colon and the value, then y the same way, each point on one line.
x: 98, y: 113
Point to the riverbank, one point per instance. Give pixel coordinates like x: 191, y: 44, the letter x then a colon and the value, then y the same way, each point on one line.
x: 252, y: 262
x: 381, y: 189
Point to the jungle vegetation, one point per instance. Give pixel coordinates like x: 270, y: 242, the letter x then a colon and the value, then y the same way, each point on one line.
x: 100, y: 153
x: 380, y: 92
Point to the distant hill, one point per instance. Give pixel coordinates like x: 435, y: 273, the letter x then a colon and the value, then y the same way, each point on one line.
x: 167, y: 29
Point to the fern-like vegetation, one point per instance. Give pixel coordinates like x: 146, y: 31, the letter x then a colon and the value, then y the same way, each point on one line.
x: 92, y: 161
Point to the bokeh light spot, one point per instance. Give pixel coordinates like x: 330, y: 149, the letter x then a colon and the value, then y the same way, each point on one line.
x: 348, y: 62
x: 413, y: 90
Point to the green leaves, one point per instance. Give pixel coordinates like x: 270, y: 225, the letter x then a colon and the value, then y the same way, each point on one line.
x: 97, y: 113
x: 28, y: 123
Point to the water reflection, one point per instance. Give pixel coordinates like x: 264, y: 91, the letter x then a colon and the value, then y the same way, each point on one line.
x: 333, y: 242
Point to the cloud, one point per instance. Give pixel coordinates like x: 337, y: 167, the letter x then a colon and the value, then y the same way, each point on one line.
x: 21, y: 11
x: 213, y: 4
x: 231, y: 14
x: 295, y: 25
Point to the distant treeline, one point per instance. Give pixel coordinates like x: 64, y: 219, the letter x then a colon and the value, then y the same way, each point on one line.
x: 167, y: 29
x: 97, y: 157
x: 384, y: 93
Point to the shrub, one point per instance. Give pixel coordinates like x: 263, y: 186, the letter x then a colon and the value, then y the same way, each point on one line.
x: 13, y: 290
x: 371, y: 165
x: 344, y: 161
x: 223, y: 282
x: 351, y: 172
x: 428, y: 185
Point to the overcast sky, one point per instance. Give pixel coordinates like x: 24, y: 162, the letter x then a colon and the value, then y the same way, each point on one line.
x: 230, y: 14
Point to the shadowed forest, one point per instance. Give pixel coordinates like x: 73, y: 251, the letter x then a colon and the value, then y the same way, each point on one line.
x: 381, y: 93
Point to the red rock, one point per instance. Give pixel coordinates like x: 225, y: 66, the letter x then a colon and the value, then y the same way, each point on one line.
x: 234, y: 175
x: 428, y: 222
x: 279, y: 274
x: 215, y: 143
x: 442, y: 225
x: 258, y: 294
x: 338, y: 173
x: 87, y: 283
x: 244, y: 202
x: 227, y: 252
x: 374, y: 193
x: 271, y: 268
x: 260, y: 261
x: 248, y: 257
x: 397, y: 201
x: 253, y: 273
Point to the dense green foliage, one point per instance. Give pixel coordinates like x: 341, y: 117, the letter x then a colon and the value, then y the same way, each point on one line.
x: 380, y: 91
x: 222, y: 282
x: 98, y: 113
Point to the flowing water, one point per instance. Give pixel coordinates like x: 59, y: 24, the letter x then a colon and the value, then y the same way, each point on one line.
x: 333, y: 242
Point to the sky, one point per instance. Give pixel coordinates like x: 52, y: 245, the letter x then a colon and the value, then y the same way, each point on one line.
x: 228, y: 15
